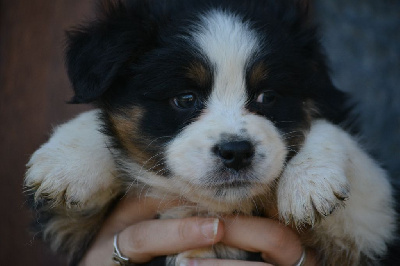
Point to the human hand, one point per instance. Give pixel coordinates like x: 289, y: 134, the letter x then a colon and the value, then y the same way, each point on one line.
x: 142, y: 238
x: 278, y: 244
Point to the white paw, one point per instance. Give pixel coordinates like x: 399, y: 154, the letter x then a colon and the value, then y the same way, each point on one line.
x: 74, y: 167
x: 310, y: 190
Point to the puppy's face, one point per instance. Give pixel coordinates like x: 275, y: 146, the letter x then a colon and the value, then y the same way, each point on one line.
x: 211, y: 101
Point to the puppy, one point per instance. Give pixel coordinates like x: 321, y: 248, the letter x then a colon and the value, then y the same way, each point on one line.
x: 225, y: 104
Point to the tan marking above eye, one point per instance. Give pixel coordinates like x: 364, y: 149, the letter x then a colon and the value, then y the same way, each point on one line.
x: 257, y: 73
x: 199, y: 73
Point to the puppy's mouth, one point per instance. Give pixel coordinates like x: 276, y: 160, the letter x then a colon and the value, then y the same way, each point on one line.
x: 235, y: 184
x: 232, y: 187
x: 227, y: 178
x: 222, y: 186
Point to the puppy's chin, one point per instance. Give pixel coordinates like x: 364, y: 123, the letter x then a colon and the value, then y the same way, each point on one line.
x: 225, y: 190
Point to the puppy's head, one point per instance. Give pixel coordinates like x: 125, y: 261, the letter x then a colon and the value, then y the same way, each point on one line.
x: 204, y: 98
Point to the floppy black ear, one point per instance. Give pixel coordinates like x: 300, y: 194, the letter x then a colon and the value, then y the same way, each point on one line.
x: 297, y: 14
x: 304, y: 7
x: 97, y: 52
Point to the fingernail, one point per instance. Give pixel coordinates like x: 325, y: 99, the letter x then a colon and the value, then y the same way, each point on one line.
x: 186, y: 262
x: 210, y: 229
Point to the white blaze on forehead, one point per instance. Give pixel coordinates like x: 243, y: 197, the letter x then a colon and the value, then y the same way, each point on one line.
x: 228, y: 43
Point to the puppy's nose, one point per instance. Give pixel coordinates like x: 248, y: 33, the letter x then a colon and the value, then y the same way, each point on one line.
x: 235, y: 154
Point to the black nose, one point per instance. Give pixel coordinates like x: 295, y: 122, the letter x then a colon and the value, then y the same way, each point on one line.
x: 235, y: 154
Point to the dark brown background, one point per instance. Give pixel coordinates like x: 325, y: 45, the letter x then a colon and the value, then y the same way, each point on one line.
x: 33, y: 91
x: 362, y: 39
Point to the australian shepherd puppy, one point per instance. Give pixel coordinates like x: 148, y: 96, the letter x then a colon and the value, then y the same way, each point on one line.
x: 226, y: 104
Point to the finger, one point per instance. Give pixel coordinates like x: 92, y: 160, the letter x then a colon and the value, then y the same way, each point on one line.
x: 277, y: 243
x: 215, y: 262
x: 145, y: 240
x: 130, y: 210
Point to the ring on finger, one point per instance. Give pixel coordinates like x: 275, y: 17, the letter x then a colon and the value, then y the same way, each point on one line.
x: 302, y: 260
x: 117, y: 256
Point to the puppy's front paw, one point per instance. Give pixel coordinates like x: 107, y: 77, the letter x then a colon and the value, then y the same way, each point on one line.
x: 74, y: 168
x: 308, y: 191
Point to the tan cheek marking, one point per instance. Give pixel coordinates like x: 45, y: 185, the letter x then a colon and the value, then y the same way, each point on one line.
x: 311, y: 110
x: 295, y: 141
x: 126, y: 126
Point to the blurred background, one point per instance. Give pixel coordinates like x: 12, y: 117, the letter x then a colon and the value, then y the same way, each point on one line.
x: 362, y: 40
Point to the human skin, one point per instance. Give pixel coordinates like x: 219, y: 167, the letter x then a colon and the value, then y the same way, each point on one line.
x: 142, y: 238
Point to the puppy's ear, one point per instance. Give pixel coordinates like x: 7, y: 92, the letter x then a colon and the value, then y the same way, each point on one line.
x: 96, y: 53
x: 297, y: 14
x: 304, y: 7
x: 304, y: 12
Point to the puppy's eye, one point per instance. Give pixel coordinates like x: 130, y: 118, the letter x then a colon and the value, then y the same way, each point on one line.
x: 267, y: 97
x: 185, y: 101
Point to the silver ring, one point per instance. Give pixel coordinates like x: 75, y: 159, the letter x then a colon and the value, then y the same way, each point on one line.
x: 302, y: 259
x: 117, y: 257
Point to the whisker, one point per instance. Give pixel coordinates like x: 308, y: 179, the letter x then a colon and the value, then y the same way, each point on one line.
x: 142, y: 190
x: 154, y: 140
x: 156, y: 165
x: 296, y: 152
x: 286, y: 121
x: 292, y: 132
x: 293, y: 136
x: 255, y: 205
x: 152, y: 157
